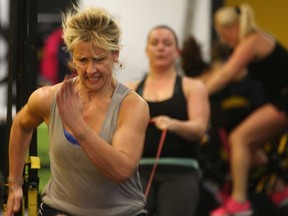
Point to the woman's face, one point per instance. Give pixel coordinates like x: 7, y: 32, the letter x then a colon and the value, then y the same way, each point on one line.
x: 94, y: 65
x: 228, y: 35
x: 161, y: 48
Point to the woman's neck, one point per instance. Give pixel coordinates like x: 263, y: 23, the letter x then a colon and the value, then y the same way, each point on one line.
x: 105, y: 91
x: 156, y: 74
x: 159, y: 86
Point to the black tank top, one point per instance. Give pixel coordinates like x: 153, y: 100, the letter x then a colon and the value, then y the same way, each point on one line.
x: 272, y: 72
x: 174, y: 107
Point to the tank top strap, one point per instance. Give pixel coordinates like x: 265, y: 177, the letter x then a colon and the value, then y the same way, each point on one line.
x: 140, y: 87
x: 111, y: 118
x: 177, y: 86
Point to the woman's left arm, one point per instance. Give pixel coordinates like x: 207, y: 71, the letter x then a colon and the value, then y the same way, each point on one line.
x: 118, y: 160
x: 198, y: 111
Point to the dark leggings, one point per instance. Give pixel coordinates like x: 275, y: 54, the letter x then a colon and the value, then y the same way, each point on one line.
x: 172, y: 193
x: 46, y: 210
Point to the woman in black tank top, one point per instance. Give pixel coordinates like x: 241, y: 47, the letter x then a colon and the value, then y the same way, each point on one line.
x: 179, y: 105
x: 263, y: 59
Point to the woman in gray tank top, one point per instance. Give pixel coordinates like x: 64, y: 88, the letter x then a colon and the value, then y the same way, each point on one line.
x: 95, y: 142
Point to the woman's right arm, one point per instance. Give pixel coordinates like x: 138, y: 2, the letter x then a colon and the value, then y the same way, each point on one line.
x: 243, y: 54
x: 26, y: 120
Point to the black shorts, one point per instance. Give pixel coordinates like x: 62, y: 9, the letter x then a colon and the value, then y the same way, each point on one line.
x: 46, y: 210
x: 280, y: 100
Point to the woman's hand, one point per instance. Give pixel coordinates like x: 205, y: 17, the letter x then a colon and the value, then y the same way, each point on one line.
x: 69, y: 103
x: 163, y: 122
x: 14, y: 199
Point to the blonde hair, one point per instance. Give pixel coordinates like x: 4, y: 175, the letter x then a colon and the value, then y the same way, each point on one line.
x: 94, y: 25
x: 243, y: 14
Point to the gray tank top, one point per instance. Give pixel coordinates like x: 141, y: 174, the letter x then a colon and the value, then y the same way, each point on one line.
x: 76, y: 187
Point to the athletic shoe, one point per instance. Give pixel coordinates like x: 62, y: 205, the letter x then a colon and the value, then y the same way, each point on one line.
x: 280, y: 198
x: 233, y: 208
x: 222, y: 196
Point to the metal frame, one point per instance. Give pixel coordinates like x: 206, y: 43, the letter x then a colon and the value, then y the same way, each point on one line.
x: 23, y: 70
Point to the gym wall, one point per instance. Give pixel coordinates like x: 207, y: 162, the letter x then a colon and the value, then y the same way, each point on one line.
x: 270, y: 15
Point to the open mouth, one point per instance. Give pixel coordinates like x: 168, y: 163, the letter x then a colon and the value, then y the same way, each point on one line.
x: 94, y: 78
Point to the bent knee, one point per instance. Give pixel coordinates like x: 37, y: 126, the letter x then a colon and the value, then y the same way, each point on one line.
x: 238, y: 138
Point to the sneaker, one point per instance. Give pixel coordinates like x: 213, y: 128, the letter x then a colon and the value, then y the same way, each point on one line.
x: 233, y: 208
x: 222, y: 196
x: 280, y: 198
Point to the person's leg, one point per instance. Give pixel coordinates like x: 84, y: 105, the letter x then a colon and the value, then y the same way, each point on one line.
x: 257, y: 129
x: 178, y: 195
x: 254, y: 131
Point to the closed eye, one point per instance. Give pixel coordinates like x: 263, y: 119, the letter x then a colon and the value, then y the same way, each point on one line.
x: 98, y: 59
x: 83, y: 60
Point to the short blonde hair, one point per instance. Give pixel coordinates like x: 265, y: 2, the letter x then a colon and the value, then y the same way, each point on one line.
x: 226, y: 16
x: 94, y: 25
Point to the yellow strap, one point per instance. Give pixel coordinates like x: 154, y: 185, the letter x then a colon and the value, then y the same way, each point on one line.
x: 4, y: 208
x: 282, y: 144
x: 261, y: 184
x: 32, y: 201
x: 35, y: 162
x: 33, y: 191
x: 233, y: 102
x: 272, y: 182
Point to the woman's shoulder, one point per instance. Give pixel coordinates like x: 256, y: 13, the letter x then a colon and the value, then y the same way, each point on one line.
x: 46, y: 92
x: 133, y: 101
x: 193, y: 85
x: 260, y: 37
x: 43, y: 96
x: 195, y: 81
x: 261, y: 44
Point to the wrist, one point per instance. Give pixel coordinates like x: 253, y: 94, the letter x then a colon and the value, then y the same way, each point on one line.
x: 81, y: 136
x: 173, y: 125
x: 14, y: 183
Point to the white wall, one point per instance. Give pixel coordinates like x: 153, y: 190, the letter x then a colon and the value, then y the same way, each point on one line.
x: 137, y: 17
x: 4, y: 18
x: 201, y: 27
x: 4, y: 11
